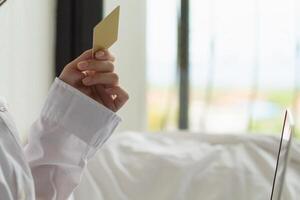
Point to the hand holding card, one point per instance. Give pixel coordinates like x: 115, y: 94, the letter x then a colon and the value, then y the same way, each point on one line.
x: 93, y: 73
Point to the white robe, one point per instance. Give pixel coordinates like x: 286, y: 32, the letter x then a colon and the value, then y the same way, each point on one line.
x: 69, y: 130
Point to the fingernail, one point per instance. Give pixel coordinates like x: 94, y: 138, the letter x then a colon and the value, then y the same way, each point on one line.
x: 87, y: 80
x: 83, y: 65
x: 100, y: 54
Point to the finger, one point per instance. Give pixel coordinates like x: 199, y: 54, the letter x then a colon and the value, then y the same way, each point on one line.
x: 88, y: 73
x: 105, y: 97
x: 96, y: 65
x: 122, y: 95
x: 110, y: 55
x: 101, y: 78
x: 84, y: 56
x: 104, y: 55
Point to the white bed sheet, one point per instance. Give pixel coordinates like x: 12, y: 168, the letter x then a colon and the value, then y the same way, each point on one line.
x: 187, y: 166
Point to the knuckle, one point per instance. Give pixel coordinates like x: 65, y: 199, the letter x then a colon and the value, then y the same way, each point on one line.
x: 127, y: 96
x: 124, y: 94
x: 113, y: 58
x: 111, y: 66
x: 115, y: 78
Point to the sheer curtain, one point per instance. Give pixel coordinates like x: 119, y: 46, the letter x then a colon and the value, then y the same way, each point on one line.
x: 244, y: 65
x: 244, y: 62
x: 26, y: 57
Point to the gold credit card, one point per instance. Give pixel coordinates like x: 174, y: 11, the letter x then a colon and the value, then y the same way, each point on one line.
x: 106, y: 32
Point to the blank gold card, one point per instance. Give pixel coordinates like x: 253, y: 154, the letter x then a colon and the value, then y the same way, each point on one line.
x: 106, y: 32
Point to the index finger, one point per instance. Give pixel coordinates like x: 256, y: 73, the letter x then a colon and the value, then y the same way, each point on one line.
x: 104, y: 55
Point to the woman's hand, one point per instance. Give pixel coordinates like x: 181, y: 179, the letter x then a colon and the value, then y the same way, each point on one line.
x: 96, y: 78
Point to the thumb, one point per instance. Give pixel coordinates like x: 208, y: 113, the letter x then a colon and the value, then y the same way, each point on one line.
x: 84, y: 56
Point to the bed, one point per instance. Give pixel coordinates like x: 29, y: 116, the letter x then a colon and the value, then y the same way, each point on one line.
x: 187, y: 166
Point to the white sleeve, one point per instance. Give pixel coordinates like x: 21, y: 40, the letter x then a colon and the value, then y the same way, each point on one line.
x: 71, y: 128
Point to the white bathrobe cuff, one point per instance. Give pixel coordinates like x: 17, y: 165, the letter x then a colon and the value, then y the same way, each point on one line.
x: 69, y: 131
x: 79, y: 114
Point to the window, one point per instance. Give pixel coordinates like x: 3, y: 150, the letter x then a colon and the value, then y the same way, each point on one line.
x: 244, y: 64
x: 161, y: 62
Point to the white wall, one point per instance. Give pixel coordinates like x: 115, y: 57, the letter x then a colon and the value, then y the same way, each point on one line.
x: 26, y: 57
x: 131, y: 60
x: 27, y: 52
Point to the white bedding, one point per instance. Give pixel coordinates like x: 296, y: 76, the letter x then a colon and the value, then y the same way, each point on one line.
x: 186, y: 166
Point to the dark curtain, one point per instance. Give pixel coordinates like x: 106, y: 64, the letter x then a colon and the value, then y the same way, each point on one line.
x: 74, y: 29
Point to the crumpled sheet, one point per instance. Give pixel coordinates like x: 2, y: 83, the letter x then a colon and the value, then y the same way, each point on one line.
x: 187, y: 166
